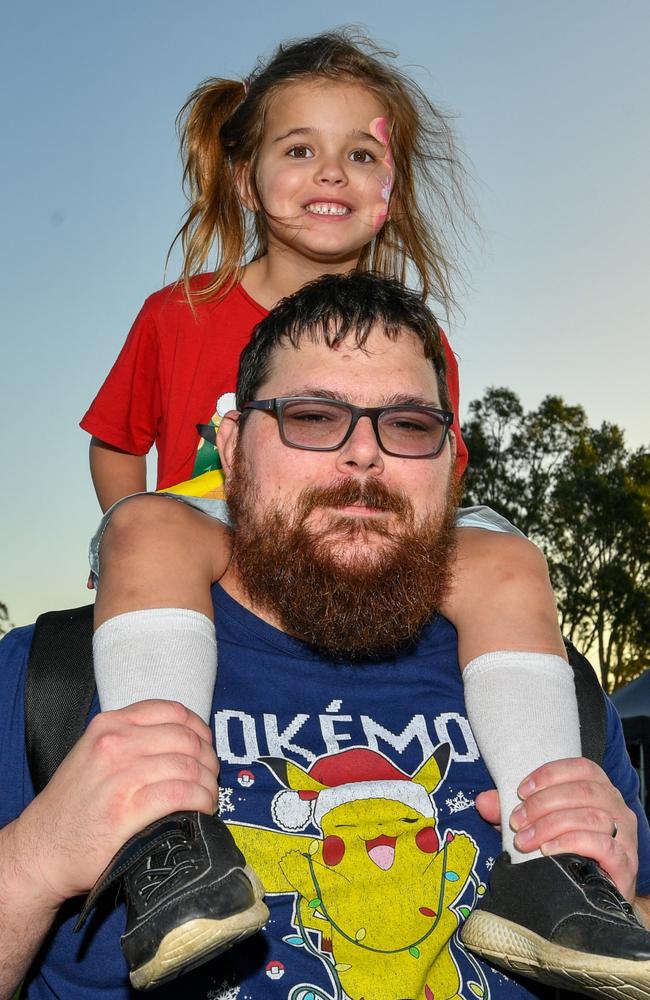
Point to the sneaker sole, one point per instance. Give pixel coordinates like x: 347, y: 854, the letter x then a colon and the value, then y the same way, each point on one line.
x: 200, y: 940
x: 520, y: 950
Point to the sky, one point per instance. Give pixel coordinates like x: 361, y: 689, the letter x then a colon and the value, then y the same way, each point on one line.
x: 549, y: 99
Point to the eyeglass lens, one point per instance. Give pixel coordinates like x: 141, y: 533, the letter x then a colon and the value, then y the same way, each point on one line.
x: 406, y: 432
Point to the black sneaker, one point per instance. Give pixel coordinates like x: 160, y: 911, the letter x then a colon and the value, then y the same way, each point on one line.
x: 190, y: 895
x: 562, y: 921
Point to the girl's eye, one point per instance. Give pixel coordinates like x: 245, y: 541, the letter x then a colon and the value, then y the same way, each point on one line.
x: 361, y: 156
x: 300, y: 152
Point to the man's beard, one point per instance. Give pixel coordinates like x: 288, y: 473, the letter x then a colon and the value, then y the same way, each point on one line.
x: 356, y: 601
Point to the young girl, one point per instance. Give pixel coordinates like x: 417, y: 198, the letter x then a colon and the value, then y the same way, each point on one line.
x: 324, y: 160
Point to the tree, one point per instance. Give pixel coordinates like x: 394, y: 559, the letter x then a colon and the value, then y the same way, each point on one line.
x: 585, y: 499
x: 5, y: 623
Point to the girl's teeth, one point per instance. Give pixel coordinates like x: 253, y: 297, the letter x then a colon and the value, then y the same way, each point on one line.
x: 325, y: 208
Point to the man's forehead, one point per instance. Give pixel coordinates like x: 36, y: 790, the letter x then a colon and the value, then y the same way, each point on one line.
x: 319, y: 359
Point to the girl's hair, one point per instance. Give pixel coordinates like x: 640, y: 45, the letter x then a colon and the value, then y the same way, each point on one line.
x: 221, y: 128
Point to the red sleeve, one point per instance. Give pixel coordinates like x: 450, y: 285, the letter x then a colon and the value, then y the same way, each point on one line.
x: 126, y: 411
x: 454, y: 393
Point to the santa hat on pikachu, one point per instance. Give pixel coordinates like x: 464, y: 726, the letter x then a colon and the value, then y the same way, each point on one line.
x: 331, y: 781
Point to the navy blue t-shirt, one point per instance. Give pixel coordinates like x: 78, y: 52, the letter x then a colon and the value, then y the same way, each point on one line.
x: 351, y: 790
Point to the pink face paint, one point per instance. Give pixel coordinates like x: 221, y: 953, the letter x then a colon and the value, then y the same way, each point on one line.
x: 385, y: 173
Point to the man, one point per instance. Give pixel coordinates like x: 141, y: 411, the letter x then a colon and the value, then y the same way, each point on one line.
x: 349, y: 774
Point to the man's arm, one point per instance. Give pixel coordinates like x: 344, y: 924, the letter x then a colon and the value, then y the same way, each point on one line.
x: 129, y: 769
x: 26, y: 913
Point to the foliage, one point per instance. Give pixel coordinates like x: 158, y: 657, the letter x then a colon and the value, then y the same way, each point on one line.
x: 585, y: 499
x: 5, y: 623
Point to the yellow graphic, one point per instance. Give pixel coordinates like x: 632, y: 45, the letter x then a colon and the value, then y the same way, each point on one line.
x: 376, y: 889
x: 209, y: 486
x: 207, y: 480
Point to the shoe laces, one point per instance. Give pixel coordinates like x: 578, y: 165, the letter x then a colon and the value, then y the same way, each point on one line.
x: 162, y: 867
x: 601, y: 889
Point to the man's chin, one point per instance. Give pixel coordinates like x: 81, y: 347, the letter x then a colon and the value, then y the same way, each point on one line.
x: 354, y: 540
x: 361, y: 554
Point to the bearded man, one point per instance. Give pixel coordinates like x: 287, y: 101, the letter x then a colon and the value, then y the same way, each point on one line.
x: 349, y: 773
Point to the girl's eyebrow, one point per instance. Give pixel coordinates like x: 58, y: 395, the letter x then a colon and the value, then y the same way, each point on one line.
x: 355, y: 133
x: 300, y: 130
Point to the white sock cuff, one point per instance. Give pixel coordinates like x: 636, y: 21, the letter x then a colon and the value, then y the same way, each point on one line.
x: 168, y: 653
x: 152, y: 619
x: 533, y: 664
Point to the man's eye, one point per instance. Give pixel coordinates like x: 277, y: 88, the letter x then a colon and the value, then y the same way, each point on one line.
x: 362, y: 156
x: 311, y: 417
x: 408, y: 425
x: 300, y: 152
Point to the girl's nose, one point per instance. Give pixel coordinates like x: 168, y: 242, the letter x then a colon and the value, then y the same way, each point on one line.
x: 331, y: 171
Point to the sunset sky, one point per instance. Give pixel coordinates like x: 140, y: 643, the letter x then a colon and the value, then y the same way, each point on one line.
x: 550, y: 101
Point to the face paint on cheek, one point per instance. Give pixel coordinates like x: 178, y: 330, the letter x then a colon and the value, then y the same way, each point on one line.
x: 385, y: 174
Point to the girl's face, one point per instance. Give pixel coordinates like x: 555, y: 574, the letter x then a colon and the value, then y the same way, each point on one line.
x: 325, y: 170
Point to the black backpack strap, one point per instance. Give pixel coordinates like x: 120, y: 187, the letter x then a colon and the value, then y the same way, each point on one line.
x: 592, y: 712
x: 59, y: 689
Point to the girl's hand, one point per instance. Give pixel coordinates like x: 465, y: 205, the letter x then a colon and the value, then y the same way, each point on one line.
x: 571, y: 806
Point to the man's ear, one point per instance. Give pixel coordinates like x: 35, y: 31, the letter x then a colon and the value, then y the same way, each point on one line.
x: 245, y: 187
x: 227, y: 437
x: 453, y: 446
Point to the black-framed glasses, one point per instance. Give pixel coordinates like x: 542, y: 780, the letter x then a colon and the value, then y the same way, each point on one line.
x: 317, y: 424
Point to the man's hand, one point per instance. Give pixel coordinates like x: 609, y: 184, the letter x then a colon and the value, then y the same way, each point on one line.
x: 130, y: 768
x: 571, y: 806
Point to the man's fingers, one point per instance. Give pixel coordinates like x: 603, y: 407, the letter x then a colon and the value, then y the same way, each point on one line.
x: 164, y: 797
x: 487, y: 804
x: 165, y: 767
x: 559, y: 772
x: 115, y: 740
x: 620, y: 864
x: 556, y: 824
x: 156, y: 712
x: 590, y: 805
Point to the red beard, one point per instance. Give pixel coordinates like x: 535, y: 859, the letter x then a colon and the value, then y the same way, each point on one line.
x: 356, y: 602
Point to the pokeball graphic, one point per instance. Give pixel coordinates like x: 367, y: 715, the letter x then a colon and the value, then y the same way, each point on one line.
x: 246, y: 778
x: 275, y: 970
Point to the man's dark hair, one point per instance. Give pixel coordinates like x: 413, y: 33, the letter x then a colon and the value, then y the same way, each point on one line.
x: 332, y: 308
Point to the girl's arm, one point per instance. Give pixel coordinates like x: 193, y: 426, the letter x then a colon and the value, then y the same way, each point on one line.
x: 115, y: 473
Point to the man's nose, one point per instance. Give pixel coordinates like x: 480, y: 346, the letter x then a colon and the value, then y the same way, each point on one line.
x: 361, y: 451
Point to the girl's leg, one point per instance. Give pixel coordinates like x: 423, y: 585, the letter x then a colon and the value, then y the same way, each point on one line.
x: 155, y: 638
x: 519, y: 688
x: 154, y: 626
x: 558, y: 919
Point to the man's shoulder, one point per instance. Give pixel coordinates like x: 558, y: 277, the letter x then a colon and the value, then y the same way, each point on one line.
x: 15, y: 645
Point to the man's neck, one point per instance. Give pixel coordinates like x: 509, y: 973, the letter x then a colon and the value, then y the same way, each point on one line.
x: 233, y: 586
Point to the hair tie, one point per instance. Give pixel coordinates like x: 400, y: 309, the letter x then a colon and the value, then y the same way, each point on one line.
x: 246, y: 83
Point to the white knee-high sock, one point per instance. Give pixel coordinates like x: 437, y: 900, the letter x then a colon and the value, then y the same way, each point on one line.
x: 168, y: 653
x: 523, y: 711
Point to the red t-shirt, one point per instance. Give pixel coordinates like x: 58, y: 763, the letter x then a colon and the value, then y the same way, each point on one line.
x: 172, y: 370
